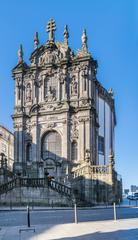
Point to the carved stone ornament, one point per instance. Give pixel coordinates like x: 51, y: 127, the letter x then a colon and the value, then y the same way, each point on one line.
x: 15, y: 126
x: 48, y: 107
x: 62, y: 78
x: 51, y: 125
x: 18, y: 109
x: 29, y: 128
x: 59, y: 106
x: 18, y: 81
x: 74, y: 69
x: 74, y: 86
x: 84, y: 71
x: 51, y: 96
x: 74, y: 129
x: 33, y: 76
x: 84, y: 102
x: 83, y: 119
x: 87, y: 155
x: 49, y: 57
x: 18, y: 125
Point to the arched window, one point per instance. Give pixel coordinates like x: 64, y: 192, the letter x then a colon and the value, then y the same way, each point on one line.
x: 51, y: 146
x: 50, y: 87
x: 29, y: 152
x: 74, y: 151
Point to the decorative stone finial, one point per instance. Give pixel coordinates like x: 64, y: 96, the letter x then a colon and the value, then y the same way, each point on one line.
x: 51, y: 28
x: 66, y: 35
x: 111, y: 92
x: 84, y: 41
x: 36, y: 40
x: 20, y: 54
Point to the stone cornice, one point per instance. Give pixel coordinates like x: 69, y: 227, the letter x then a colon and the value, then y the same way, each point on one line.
x: 104, y: 93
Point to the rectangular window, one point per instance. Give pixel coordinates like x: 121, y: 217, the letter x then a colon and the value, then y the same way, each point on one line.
x: 3, y: 148
x: 19, y: 92
x: 101, y: 145
x: 45, y: 87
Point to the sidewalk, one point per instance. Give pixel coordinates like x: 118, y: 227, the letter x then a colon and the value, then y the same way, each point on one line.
x: 119, y: 230
x: 35, y: 208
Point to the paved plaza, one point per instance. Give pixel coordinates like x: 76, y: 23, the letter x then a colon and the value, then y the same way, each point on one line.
x: 97, y: 224
x: 101, y: 230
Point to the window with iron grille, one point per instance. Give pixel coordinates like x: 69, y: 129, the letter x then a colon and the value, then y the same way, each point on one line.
x: 3, y: 147
x: 50, y: 87
x: 29, y: 152
x: 101, y: 145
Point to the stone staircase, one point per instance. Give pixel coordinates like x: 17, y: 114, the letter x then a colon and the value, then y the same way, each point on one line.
x: 34, y: 183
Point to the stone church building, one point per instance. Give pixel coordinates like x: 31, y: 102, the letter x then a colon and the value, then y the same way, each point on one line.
x: 64, y: 119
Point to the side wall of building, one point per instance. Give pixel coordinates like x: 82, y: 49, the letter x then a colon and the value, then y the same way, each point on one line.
x: 7, y: 146
x: 106, y: 131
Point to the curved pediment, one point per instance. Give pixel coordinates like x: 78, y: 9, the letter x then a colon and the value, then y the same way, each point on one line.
x: 50, y: 54
x: 34, y: 109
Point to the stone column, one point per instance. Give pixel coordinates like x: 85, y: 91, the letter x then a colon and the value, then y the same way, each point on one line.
x: 21, y: 144
x: 81, y: 84
x: 19, y: 149
x: 65, y: 140
x: 34, y: 143
x: 41, y: 90
x: 87, y: 134
x: 16, y: 145
x: 58, y: 93
x: 64, y: 90
x: 81, y: 141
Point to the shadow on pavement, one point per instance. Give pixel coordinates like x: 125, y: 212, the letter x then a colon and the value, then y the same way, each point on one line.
x: 131, y: 234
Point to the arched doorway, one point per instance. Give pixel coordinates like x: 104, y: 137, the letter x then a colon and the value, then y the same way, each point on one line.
x: 51, y: 151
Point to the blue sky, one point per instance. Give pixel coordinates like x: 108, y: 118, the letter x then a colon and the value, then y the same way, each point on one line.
x: 112, y: 28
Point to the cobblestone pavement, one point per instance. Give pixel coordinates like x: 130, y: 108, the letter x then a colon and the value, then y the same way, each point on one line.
x: 126, y: 229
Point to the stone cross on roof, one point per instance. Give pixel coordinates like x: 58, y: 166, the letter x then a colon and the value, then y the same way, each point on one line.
x: 51, y: 27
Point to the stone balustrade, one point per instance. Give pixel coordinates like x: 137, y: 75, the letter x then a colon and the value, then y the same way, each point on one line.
x: 35, y: 182
x: 91, y: 170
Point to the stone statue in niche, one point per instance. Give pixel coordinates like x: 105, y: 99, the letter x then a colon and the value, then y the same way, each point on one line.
x: 62, y: 78
x: 51, y: 96
x: 28, y: 92
x: 84, y: 75
x: 74, y: 86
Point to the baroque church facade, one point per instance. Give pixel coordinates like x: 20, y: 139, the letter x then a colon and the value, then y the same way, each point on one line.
x: 64, y: 119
